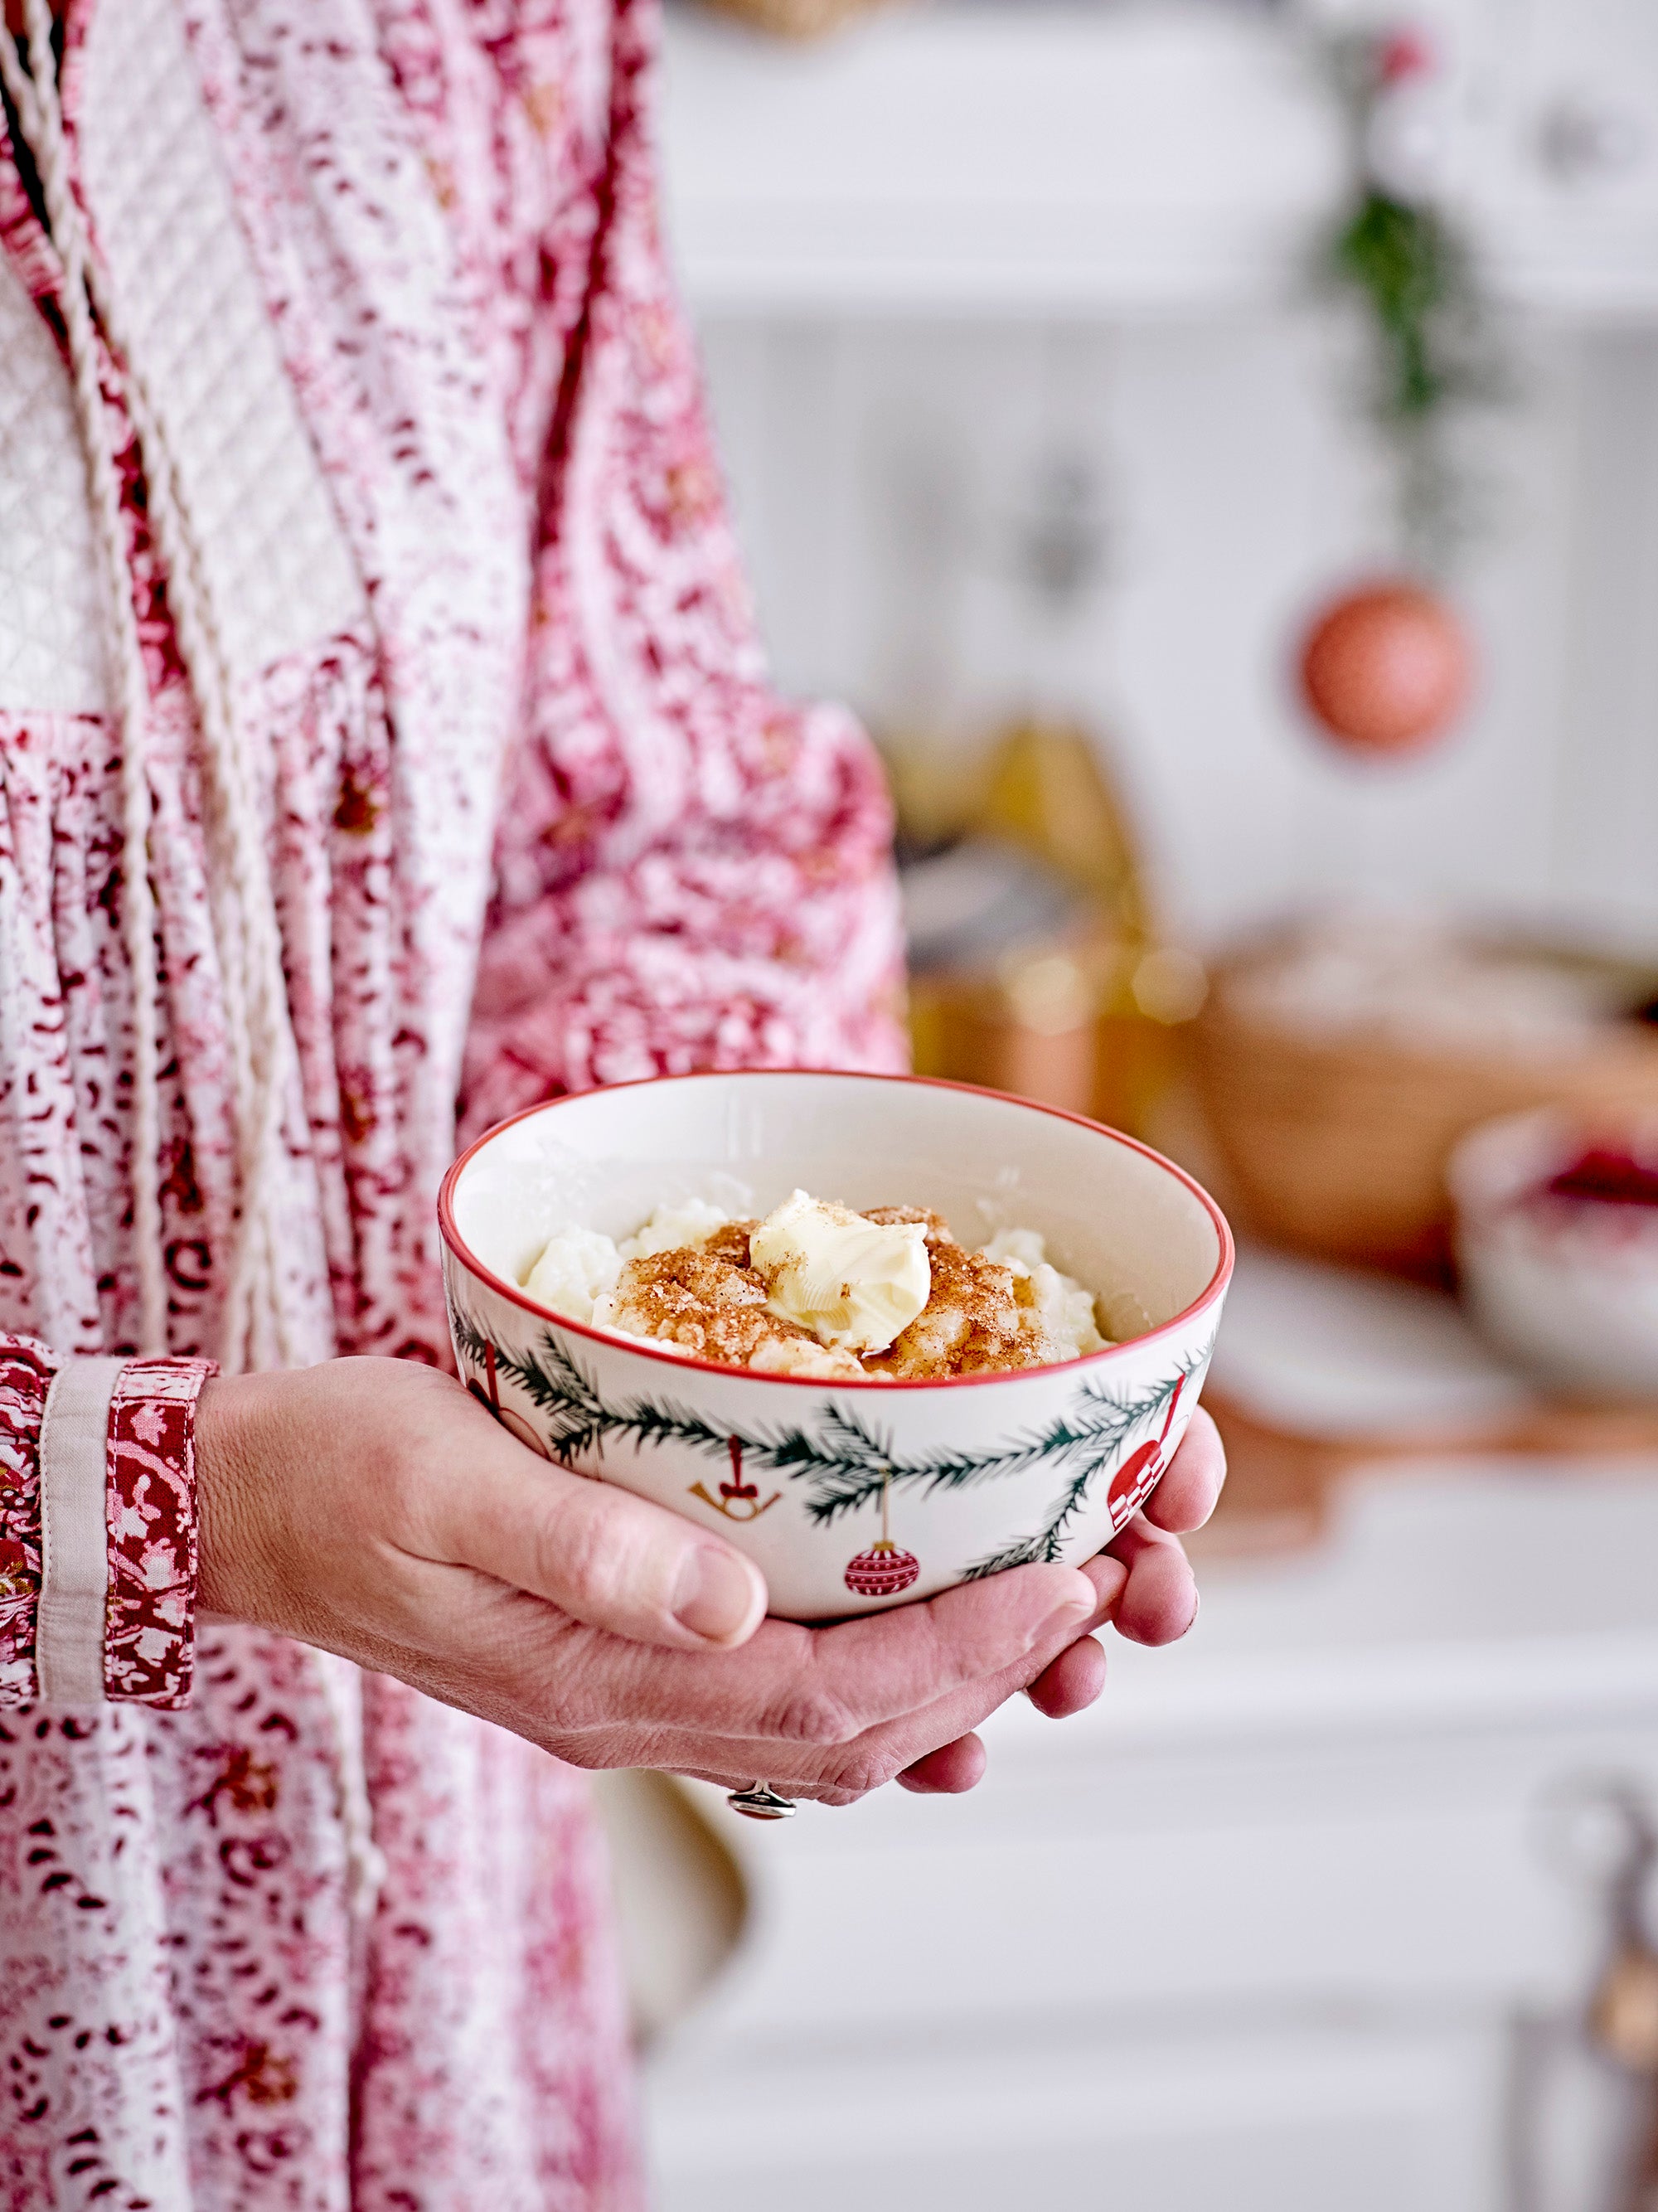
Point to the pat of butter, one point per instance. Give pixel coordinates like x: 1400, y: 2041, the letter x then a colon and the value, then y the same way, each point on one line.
x: 854, y: 1283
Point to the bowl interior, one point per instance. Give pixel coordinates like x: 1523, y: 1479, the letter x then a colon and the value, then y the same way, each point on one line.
x: 1115, y: 1216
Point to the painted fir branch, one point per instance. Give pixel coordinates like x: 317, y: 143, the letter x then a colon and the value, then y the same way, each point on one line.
x: 1044, y: 1544
x: 578, y: 1420
x: 1043, y: 1547
x: 848, y: 1460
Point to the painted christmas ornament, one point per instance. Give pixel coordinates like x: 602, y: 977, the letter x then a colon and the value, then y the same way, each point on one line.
x: 1385, y: 669
x: 883, y: 1571
x: 1141, y: 1471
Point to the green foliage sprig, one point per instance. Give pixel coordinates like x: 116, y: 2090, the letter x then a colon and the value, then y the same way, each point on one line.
x: 1412, y: 271
x: 1406, y: 262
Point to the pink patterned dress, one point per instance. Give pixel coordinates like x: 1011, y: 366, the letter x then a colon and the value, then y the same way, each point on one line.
x: 390, y: 271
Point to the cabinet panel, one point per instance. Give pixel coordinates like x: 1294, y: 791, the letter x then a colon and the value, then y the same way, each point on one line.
x: 1568, y: 179
x: 1367, y: 2120
x: 1337, y: 1878
x: 1019, y: 156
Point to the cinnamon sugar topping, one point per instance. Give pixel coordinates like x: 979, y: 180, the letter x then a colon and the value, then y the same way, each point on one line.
x: 702, y: 1295
x: 974, y: 1320
x: 716, y: 1309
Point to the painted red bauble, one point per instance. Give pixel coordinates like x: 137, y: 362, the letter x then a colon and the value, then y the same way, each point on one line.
x: 1386, y: 669
x: 882, y: 1571
x: 1134, y: 1482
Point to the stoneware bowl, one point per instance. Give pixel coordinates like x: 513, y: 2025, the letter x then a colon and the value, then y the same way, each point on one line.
x: 850, y: 1497
x: 1566, y: 1286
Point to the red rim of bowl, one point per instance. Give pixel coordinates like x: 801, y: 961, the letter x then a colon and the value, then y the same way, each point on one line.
x: 452, y: 1236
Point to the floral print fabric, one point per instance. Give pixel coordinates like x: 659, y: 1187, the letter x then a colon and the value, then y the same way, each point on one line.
x: 26, y: 1372
x: 536, y: 820
x: 149, y: 1506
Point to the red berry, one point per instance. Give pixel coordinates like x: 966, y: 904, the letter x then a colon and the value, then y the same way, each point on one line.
x: 1404, y: 54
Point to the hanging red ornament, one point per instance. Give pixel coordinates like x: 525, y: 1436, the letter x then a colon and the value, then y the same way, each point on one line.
x: 1385, y: 669
x: 883, y: 1571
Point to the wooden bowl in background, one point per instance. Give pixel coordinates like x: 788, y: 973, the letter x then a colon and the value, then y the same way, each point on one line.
x: 1336, y: 1145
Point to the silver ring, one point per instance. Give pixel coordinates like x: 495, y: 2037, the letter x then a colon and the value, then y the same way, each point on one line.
x: 759, y: 1801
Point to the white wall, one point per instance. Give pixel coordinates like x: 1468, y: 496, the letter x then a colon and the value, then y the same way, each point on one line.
x: 1238, y: 485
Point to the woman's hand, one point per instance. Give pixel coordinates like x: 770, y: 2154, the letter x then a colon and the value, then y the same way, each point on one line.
x: 1144, y: 1586
x: 371, y: 1506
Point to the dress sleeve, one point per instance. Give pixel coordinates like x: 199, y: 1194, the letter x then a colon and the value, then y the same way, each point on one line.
x: 690, y: 871
x: 97, y: 1526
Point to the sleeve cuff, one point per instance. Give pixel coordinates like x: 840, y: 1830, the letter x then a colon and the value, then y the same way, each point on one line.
x: 69, y: 1619
x: 149, y: 1625
x: 116, y: 1612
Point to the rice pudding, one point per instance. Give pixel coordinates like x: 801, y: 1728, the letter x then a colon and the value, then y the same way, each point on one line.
x: 815, y: 1289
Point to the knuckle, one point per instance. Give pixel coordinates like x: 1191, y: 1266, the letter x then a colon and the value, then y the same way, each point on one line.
x: 862, y: 1773
x: 811, y: 1714
x: 573, y: 1554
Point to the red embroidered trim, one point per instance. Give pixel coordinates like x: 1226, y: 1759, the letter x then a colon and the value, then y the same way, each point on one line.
x: 26, y: 1372
x: 150, y: 1502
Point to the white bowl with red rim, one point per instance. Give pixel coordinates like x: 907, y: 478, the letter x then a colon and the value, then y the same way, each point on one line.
x: 1556, y: 1244
x: 849, y: 1496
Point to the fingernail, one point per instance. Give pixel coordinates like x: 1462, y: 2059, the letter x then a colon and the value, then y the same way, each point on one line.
x: 714, y: 1593
x: 1197, y: 1608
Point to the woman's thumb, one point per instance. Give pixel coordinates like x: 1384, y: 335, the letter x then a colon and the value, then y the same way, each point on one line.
x: 599, y: 1554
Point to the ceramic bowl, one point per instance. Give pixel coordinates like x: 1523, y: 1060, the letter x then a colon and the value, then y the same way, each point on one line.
x: 1566, y: 1286
x: 850, y: 1497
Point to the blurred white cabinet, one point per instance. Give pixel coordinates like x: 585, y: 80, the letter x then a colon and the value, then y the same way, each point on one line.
x: 1280, y: 1924
x: 1567, y: 186
x: 1137, y: 158
x: 991, y: 158
x: 1350, y: 2119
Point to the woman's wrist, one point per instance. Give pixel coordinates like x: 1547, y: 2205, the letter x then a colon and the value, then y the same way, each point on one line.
x: 228, y: 1544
